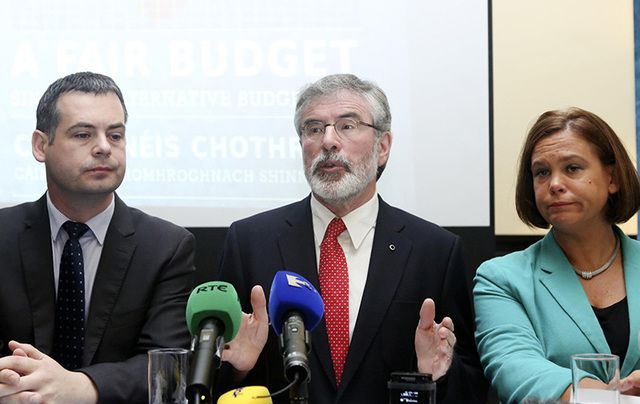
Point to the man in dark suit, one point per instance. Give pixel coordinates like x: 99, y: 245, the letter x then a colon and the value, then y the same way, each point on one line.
x: 381, y: 285
x: 136, y: 269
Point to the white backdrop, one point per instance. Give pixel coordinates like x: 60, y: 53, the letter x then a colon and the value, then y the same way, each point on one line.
x: 210, y: 87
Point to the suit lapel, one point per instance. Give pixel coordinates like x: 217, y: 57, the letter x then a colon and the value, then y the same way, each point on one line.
x: 388, y: 261
x: 297, y: 248
x: 561, y: 282
x: 296, y: 243
x: 38, y: 274
x: 117, y: 251
x: 631, y: 265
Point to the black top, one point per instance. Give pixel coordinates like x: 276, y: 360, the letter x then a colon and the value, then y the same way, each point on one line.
x: 614, y: 321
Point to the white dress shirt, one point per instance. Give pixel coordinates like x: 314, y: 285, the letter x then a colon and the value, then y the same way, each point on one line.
x: 356, y: 242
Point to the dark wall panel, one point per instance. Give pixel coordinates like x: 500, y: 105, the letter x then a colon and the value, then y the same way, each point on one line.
x: 479, y: 243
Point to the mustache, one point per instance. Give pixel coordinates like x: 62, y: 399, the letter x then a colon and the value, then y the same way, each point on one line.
x: 330, y: 156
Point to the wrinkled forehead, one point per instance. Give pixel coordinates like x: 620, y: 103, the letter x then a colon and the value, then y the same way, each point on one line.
x: 338, y: 104
x: 564, y: 144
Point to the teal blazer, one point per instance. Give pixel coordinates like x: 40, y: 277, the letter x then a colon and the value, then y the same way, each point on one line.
x: 532, y: 315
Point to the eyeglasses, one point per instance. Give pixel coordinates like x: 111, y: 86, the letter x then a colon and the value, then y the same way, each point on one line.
x: 345, y: 128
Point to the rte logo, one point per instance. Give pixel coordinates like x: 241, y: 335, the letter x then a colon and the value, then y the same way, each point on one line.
x: 212, y: 287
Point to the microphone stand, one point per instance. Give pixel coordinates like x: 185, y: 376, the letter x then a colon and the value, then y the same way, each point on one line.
x: 202, y: 373
x: 295, y: 350
x: 299, y: 393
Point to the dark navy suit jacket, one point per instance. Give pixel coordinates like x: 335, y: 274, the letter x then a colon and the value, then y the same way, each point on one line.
x: 411, y: 260
x: 138, y: 301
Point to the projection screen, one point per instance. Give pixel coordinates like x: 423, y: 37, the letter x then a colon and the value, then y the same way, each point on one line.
x: 211, y: 86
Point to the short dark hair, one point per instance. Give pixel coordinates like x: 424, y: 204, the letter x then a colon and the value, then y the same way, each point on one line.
x: 621, y: 206
x: 47, y: 114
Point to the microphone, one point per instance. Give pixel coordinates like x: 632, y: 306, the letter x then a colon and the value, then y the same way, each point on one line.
x: 295, y: 308
x: 213, y: 310
x: 246, y: 395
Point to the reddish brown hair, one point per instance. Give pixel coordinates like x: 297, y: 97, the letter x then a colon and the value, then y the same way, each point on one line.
x: 621, y: 206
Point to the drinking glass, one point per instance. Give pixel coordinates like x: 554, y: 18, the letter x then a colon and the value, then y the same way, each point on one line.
x: 600, y: 367
x: 168, y: 375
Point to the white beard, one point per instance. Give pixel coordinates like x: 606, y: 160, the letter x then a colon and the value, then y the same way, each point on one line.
x: 340, y: 188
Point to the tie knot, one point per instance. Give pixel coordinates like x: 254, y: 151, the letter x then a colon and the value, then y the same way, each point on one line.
x: 335, y: 228
x: 75, y: 230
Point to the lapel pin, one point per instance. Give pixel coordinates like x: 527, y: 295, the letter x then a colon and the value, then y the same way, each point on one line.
x: 392, y: 247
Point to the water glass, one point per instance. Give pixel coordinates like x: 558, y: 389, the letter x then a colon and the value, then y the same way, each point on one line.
x: 604, y: 368
x: 167, y: 375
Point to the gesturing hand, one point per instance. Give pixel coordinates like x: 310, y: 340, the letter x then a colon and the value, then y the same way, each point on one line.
x: 243, y: 351
x: 434, y: 342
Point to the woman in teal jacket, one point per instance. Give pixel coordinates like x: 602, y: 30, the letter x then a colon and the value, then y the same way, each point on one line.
x: 578, y: 289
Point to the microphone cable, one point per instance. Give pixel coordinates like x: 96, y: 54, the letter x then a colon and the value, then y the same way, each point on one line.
x: 296, y: 379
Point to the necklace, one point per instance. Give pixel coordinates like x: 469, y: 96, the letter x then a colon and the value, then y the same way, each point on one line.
x: 590, y: 274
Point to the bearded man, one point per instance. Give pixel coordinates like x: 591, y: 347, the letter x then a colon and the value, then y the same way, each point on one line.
x: 381, y: 282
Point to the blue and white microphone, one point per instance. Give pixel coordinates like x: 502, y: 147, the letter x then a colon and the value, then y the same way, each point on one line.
x: 295, y: 308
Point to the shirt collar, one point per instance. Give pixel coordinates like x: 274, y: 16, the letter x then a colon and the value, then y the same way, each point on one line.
x: 358, y: 222
x: 97, y: 224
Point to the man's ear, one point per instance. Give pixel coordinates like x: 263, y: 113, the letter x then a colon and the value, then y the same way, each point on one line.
x: 385, y: 148
x: 39, y: 144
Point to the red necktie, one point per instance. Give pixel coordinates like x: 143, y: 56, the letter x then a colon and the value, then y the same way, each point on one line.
x: 334, y: 287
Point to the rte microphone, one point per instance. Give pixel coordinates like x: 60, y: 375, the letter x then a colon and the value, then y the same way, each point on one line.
x: 213, y: 310
x: 295, y: 308
x: 246, y: 395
